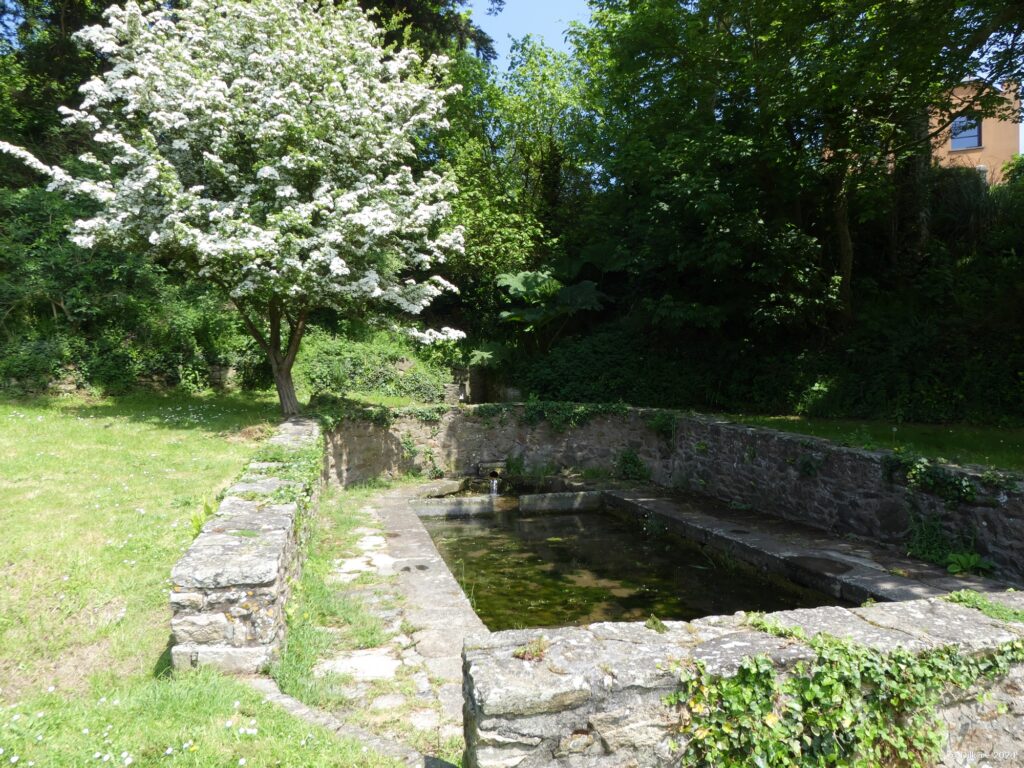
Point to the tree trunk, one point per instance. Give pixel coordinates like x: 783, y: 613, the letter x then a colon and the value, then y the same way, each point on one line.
x: 285, y: 390
x: 281, y: 357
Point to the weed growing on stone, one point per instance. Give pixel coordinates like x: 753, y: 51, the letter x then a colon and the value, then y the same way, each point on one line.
x: 655, y: 624
x: 630, y: 466
x: 533, y: 650
x: 663, y: 424
x: 986, y: 605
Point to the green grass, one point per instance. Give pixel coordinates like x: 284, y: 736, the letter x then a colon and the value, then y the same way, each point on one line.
x: 957, y: 444
x: 98, y: 498
x: 204, y: 719
x: 322, y: 619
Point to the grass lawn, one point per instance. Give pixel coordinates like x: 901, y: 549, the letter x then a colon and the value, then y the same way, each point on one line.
x: 955, y: 443
x: 97, y: 497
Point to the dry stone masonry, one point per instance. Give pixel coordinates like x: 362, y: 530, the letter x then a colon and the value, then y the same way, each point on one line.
x: 804, y: 479
x: 230, y: 587
x: 596, y: 696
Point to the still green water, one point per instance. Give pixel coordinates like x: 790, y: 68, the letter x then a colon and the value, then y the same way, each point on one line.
x: 557, y: 570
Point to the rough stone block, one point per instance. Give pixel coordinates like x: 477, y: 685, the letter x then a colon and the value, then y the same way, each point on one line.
x: 186, y: 601
x: 842, y: 624
x: 202, y: 628
x: 226, y: 658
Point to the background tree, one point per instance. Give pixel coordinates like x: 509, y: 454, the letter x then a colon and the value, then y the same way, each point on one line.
x: 265, y: 148
x: 434, y: 26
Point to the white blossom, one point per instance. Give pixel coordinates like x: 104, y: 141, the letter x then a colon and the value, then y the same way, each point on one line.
x: 266, y: 146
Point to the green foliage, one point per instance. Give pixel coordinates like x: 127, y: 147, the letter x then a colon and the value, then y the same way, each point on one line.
x: 930, y: 541
x: 629, y: 466
x: 200, y: 516
x: 951, y: 486
x: 986, y: 605
x: 969, y: 562
x: 533, y: 650
x: 663, y: 424
x: 655, y: 624
x: 562, y: 416
x: 1013, y: 171
x: 383, y: 364
x: 848, y: 706
x: 102, y: 318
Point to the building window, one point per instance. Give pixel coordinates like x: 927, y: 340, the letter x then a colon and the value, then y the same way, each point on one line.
x: 966, y: 132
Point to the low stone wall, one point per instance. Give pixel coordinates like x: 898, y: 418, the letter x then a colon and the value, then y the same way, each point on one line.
x: 808, y: 480
x: 231, y: 585
x: 595, y: 696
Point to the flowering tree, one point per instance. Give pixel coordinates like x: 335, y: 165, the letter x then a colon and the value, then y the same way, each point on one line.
x: 265, y: 146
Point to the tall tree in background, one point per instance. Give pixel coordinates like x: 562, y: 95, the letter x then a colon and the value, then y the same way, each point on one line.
x: 434, y: 26
x: 514, y: 149
x: 736, y: 134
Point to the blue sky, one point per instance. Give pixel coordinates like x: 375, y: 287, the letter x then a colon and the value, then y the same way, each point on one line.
x: 542, y: 18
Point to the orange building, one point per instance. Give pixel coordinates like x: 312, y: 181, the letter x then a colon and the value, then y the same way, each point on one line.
x: 985, y: 144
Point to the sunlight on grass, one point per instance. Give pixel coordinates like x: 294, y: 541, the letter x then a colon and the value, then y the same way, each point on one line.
x: 98, y: 496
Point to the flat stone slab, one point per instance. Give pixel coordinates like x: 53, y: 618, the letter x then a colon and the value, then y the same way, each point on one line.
x: 424, y: 719
x: 853, y: 570
x: 466, y: 506
x: 841, y: 623
x: 583, y: 501
x: 371, y: 542
x: 221, y: 560
x: 388, y: 701
x: 363, y: 665
x: 937, y: 622
x: 226, y: 658
x: 1013, y: 599
x: 263, y: 486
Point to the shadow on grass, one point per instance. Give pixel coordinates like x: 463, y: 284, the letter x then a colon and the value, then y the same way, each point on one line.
x: 175, y: 409
x: 163, y: 668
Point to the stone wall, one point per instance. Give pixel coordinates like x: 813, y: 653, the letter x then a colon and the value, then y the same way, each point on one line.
x: 800, y: 478
x: 231, y: 585
x: 595, y: 697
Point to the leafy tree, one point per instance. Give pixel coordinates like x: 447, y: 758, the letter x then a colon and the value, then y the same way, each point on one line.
x: 742, y: 141
x: 514, y: 150
x: 434, y: 26
x: 265, y: 148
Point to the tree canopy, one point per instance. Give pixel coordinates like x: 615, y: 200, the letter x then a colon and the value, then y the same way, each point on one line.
x: 266, y: 148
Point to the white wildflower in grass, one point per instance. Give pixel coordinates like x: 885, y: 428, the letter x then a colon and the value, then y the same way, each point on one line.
x: 267, y: 147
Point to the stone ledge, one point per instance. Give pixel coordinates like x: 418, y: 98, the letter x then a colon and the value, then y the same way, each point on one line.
x: 231, y: 585
x: 595, y: 697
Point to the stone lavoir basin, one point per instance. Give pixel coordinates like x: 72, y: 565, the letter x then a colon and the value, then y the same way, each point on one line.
x: 547, y: 566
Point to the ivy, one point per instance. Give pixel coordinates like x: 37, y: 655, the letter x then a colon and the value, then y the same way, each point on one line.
x: 562, y: 416
x: 301, y: 466
x: 333, y: 411
x: 923, y: 475
x: 848, y: 706
x: 428, y: 414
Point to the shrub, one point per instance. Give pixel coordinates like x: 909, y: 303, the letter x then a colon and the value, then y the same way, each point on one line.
x: 385, y: 364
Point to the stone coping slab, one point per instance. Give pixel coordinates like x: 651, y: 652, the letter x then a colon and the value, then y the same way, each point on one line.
x: 594, y: 696
x: 851, y: 569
